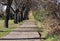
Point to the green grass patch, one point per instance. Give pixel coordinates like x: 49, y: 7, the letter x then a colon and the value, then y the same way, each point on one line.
x: 4, y: 31
x: 52, y: 38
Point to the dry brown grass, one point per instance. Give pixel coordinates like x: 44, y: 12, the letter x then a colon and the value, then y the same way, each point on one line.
x: 52, y: 25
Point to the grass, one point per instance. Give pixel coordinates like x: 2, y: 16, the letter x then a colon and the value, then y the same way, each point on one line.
x: 52, y: 38
x: 4, y: 31
x: 46, y: 34
x: 39, y: 17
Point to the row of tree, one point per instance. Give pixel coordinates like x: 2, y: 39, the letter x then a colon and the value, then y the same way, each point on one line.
x: 21, y: 10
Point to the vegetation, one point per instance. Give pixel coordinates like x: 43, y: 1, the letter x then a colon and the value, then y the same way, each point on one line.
x: 47, y: 16
x: 43, y: 31
x: 40, y: 15
x: 21, y: 10
x: 2, y: 29
x: 48, y: 21
x: 5, y: 31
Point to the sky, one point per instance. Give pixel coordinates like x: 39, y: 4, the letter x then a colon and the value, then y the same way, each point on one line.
x: 4, y: 8
x: 58, y: 1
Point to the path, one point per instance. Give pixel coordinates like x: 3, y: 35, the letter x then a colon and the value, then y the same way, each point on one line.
x: 26, y: 31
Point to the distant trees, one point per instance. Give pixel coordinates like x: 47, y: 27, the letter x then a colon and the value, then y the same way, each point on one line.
x: 21, y: 11
x: 24, y: 7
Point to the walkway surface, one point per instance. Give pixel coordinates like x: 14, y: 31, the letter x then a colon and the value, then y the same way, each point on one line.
x: 26, y: 31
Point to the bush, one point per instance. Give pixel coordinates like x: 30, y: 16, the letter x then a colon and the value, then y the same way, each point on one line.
x: 49, y: 17
x: 40, y: 15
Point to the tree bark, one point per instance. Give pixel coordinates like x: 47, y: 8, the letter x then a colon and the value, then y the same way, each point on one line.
x: 23, y: 8
x: 16, y: 16
x: 26, y: 13
x: 19, y: 17
x: 9, y: 2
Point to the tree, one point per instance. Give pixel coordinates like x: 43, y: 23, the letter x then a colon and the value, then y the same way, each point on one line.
x: 22, y: 9
x: 9, y: 2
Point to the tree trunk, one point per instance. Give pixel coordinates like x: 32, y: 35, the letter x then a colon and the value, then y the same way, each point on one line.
x: 26, y: 13
x: 9, y: 2
x: 6, y: 20
x: 19, y: 17
x: 23, y: 8
x: 16, y: 16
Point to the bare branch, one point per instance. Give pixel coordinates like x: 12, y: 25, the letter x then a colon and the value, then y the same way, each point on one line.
x: 3, y: 3
x: 12, y: 9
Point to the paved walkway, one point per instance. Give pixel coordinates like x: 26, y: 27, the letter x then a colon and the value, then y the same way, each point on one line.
x: 26, y: 31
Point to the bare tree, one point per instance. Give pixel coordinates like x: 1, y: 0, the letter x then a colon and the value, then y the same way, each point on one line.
x: 21, y: 11
x: 9, y: 2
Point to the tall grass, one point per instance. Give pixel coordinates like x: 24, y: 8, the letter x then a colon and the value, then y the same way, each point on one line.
x: 40, y: 16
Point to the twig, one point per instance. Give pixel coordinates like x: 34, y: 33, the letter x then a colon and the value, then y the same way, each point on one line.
x: 3, y: 3
x: 12, y: 9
